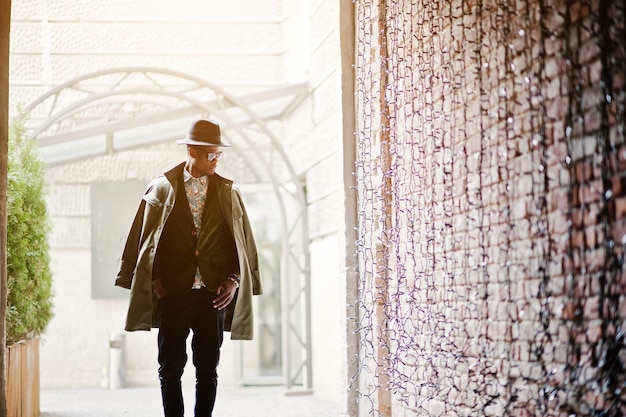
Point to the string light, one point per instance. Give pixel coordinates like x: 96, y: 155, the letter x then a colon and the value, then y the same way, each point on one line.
x: 490, y: 179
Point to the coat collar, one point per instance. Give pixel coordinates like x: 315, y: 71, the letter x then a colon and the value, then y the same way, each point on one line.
x: 176, y: 173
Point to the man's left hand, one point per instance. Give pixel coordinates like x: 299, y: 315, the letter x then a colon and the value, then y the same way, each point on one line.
x: 225, y: 294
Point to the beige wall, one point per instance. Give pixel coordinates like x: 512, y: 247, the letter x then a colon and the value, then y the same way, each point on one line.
x: 316, y: 148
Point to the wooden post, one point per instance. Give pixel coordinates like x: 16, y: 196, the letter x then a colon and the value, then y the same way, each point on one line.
x: 5, y: 25
x: 22, y: 387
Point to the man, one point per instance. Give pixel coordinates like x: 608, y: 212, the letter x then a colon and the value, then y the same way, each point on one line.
x: 191, y: 263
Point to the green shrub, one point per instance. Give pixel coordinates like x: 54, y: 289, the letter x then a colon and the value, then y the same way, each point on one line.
x: 29, y: 308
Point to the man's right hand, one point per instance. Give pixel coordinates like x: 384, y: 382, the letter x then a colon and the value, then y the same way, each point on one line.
x: 159, y: 289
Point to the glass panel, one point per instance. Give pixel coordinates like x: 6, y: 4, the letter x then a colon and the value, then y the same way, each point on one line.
x: 262, y: 359
x: 74, y: 150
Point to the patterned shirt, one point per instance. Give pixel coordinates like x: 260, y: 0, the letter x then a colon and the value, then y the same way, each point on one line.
x: 196, y: 189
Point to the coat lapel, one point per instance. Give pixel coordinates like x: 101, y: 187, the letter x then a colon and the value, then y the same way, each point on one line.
x: 175, y: 177
x: 224, y: 197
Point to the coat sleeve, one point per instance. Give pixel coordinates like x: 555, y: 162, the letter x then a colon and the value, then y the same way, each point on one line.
x: 251, y: 249
x: 131, y: 250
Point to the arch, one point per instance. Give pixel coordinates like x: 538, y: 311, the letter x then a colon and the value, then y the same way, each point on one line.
x: 103, y: 104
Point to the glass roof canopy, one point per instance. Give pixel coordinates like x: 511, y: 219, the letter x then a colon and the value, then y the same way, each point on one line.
x: 121, y: 109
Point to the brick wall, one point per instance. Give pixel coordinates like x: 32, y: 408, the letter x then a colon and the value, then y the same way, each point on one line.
x: 491, y: 206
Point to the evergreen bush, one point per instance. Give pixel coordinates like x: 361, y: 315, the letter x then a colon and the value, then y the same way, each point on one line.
x: 29, y: 278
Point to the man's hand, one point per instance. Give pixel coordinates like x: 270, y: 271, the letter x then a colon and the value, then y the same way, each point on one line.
x: 225, y: 294
x: 159, y: 289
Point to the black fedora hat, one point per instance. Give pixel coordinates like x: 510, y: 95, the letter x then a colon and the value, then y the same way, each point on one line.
x: 203, y: 133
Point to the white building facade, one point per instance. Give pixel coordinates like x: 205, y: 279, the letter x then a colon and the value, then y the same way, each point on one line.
x: 110, y: 85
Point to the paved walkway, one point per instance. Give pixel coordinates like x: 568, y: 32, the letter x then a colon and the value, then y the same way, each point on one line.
x: 146, y: 402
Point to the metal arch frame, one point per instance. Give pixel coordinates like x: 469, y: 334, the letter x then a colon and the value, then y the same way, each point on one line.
x: 298, y: 332
x: 84, y: 103
x: 301, y: 90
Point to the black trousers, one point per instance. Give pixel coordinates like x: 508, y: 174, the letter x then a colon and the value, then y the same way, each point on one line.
x: 177, y: 315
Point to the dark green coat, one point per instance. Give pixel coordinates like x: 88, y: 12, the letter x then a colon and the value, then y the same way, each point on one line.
x: 143, y: 240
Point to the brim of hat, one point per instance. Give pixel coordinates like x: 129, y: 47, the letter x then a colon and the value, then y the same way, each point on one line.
x: 192, y: 142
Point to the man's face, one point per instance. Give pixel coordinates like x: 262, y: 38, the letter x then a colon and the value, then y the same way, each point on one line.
x: 202, y: 165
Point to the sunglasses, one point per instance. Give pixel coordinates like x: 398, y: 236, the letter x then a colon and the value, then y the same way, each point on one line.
x: 214, y: 155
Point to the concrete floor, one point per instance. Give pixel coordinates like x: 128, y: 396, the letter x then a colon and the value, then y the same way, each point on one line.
x: 146, y: 401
